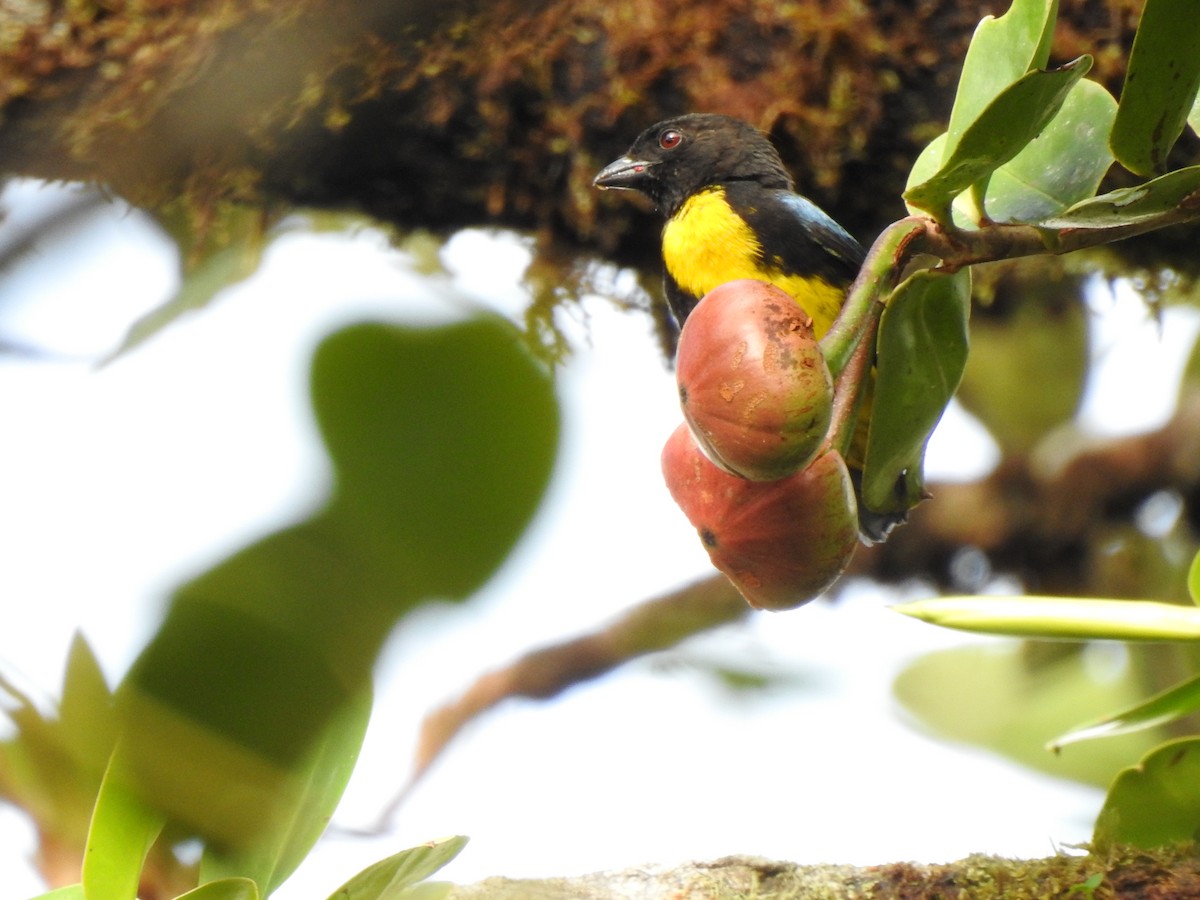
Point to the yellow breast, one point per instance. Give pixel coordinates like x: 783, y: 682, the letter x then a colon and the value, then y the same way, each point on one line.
x: 706, y: 244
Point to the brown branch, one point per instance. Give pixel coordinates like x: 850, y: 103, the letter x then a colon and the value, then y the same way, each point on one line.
x: 656, y: 624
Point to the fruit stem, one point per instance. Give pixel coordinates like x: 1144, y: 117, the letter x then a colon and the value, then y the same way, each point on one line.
x: 850, y: 389
x: 867, y: 296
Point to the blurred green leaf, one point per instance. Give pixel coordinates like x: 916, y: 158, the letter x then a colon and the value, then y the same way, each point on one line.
x: 273, y: 854
x: 1037, y: 333
x: 997, y: 697
x: 1015, y: 117
x: 1194, y: 580
x: 122, y: 832
x: 921, y: 352
x: 1060, y: 618
x: 225, y: 889
x: 1156, y: 802
x: 69, y: 892
x: 391, y: 878
x: 1160, y: 85
x: 1130, y: 206
x: 443, y: 441
x: 243, y: 714
x: 1167, y: 706
x: 86, y: 722
x: 1002, y: 50
x: 216, y: 251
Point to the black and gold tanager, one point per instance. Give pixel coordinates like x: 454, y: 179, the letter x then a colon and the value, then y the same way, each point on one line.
x: 732, y: 213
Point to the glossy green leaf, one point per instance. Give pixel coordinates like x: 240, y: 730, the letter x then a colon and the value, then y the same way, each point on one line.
x: 1000, y: 697
x: 921, y: 352
x: 122, y: 831
x: 1061, y: 166
x: 1156, y: 802
x: 1002, y: 50
x: 215, y: 253
x: 1194, y: 580
x: 1160, y: 85
x: 1134, y: 205
x: 273, y: 854
x: 69, y: 892
x: 1164, y: 707
x: 1194, y: 116
x: 1060, y: 618
x: 1015, y: 117
x: 224, y: 889
x: 391, y: 878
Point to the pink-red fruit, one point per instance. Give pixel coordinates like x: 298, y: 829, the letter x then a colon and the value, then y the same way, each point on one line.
x: 753, y: 382
x: 782, y: 542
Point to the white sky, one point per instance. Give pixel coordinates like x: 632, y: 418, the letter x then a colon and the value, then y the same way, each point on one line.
x: 116, y: 483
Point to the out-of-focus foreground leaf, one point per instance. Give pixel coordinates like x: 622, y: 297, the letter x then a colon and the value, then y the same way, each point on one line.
x: 391, y: 878
x: 122, y: 832
x: 244, y: 714
x: 1060, y: 618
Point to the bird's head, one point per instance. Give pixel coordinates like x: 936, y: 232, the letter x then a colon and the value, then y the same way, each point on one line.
x: 677, y: 157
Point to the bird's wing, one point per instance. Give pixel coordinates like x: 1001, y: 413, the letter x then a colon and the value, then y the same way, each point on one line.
x: 820, y: 227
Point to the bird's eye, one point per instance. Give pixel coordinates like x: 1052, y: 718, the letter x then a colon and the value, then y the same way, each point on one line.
x: 670, y: 139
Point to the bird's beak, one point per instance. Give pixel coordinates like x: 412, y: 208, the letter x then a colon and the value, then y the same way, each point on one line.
x: 625, y: 173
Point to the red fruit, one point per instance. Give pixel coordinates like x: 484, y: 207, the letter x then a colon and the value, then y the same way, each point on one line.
x: 782, y: 542
x: 753, y: 381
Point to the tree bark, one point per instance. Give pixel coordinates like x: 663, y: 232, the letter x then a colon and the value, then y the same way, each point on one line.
x: 461, y: 113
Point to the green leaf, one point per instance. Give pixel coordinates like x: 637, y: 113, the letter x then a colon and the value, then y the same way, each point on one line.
x: 224, y: 889
x: 1061, y: 618
x: 921, y: 352
x: 1002, y: 697
x: 1160, y: 85
x: 1015, y: 117
x: 1155, y: 803
x: 69, y: 892
x: 274, y: 853
x: 1162, y: 196
x: 1002, y: 50
x: 1061, y: 166
x: 1194, y: 580
x: 122, y: 831
x: 224, y: 248
x: 391, y: 878
x: 442, y: 441
x: 86, y: 722
x: 1035, y: 333
x: 1160, y: 709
